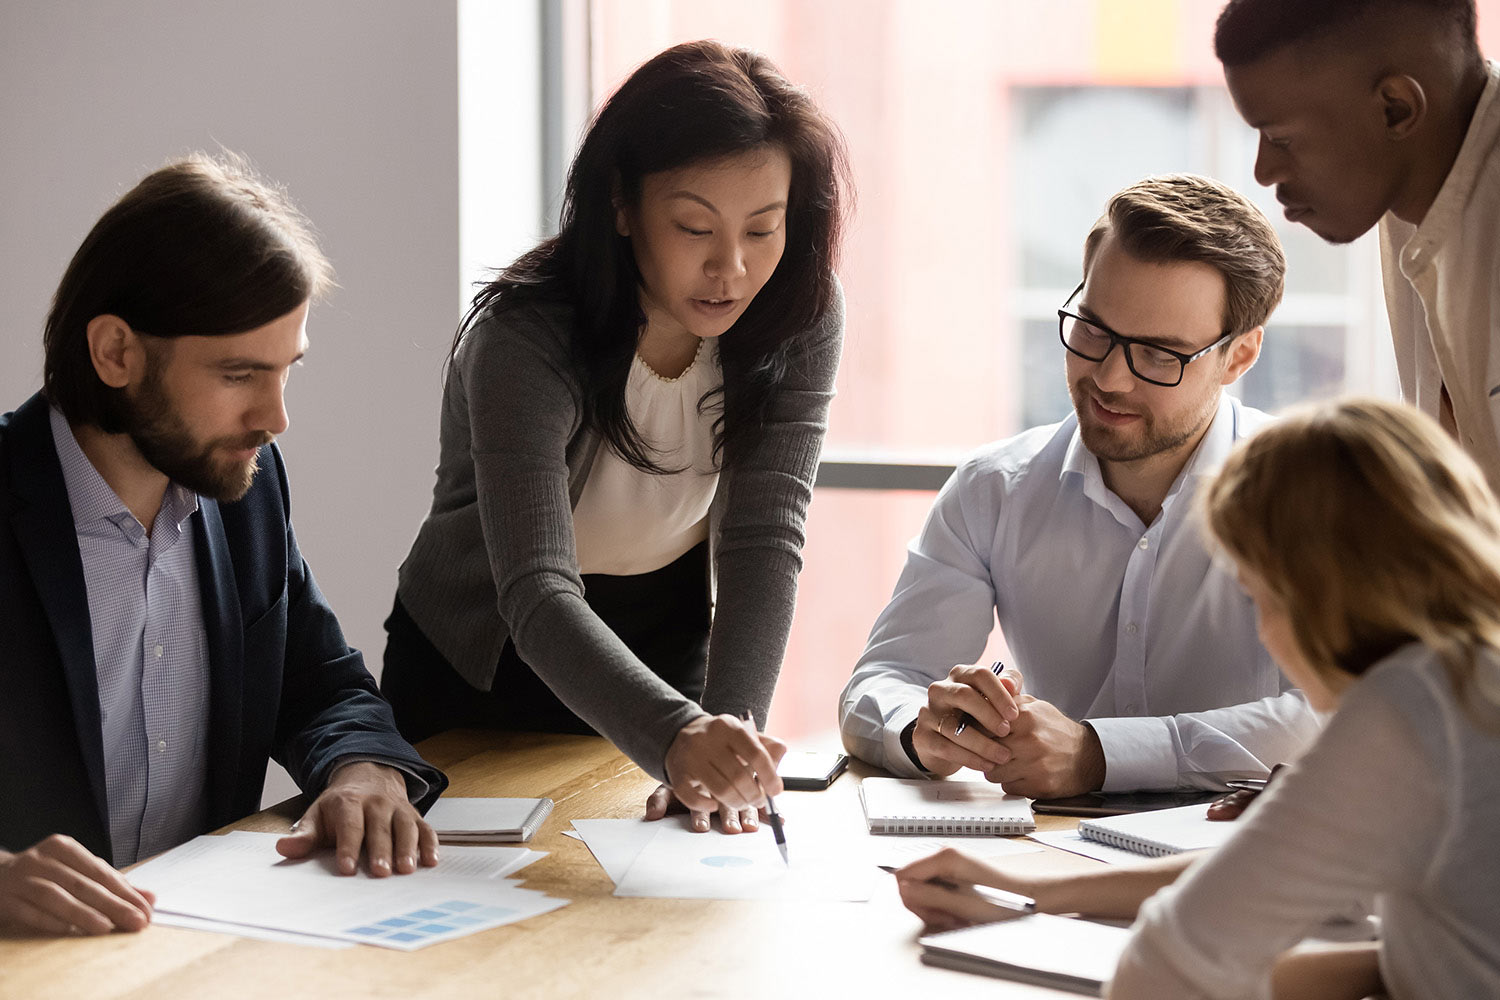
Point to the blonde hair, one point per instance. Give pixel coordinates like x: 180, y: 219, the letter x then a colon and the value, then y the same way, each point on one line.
x: 1185, y: 217
x: 1374, y: 529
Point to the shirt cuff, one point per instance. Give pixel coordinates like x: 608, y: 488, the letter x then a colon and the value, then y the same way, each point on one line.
x: 1138, y: 754
x: 897, y: 760
x: 416, y: 785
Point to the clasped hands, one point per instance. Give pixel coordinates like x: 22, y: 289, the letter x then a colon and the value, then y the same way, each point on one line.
x: 718, y: 763
x: 57, y: 886
x: 1024, y: 743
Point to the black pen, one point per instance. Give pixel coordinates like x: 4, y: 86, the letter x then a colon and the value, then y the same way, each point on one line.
x: 772, y: 816
x: 999, y: 897
x: 965, y: 718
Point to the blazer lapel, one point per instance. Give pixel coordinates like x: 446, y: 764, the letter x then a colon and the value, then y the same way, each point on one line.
x: 225, y: 631
x: 43, y: 523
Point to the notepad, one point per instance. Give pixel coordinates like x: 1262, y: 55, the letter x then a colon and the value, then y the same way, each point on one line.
x: 1157, y: 834
x: 1042, y: 949
x: 487, y: 820
x: 943, y: 808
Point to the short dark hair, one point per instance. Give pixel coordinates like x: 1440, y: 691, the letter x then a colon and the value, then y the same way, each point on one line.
x: 1248, y: 30
x: 693, y: 103
x: 1185, y: 217
x: 202, y: 246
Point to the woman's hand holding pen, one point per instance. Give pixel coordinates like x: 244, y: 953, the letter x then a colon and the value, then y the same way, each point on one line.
x: 940, y: 889
x: 712, y: 765
x: 970, y: 693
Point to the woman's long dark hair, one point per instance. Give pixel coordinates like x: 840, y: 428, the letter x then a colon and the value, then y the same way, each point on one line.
x: 694, y: 102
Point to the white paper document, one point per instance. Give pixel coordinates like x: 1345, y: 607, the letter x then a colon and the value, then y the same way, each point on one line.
x: 1069, y: 840
x: 678, y: 863
x: 240, y: 879
x: 898, y: 851
x: 616, y: 842
x: 481, y: 820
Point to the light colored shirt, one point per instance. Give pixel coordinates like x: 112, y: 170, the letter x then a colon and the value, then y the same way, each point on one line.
x: 1442, y: 290
x: 1133, y: 627
x: 628, y: 521
x: 1399, y: 800
x: 150, y: 656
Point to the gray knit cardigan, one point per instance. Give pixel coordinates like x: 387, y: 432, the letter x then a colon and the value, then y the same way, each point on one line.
x: 495, y: 556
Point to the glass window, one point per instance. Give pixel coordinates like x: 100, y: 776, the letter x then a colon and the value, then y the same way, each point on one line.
x: 986, y: 136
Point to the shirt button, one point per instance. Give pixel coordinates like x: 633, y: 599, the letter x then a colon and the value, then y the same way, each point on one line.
x: 158, y: 652
x: 1143, y: 544
x: 161, y: 746
x: 1131, y: 628
x: 1132, y: 708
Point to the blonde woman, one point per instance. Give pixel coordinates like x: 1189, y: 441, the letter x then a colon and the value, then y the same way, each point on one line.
x: 1371, y: 546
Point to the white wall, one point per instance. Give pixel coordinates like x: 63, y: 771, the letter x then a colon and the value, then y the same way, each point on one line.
x: 354, y: 106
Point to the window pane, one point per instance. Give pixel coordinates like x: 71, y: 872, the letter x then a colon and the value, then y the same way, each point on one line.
x: 985, y: 137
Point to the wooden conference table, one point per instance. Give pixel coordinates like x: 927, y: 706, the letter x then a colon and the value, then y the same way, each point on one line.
x: 597, y: 946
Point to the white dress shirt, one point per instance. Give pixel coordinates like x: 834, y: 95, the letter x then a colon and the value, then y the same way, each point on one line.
x: 1442, y: 290
x: 628, y: 521
x: 150, y: 657
x: 1133, y: 627
x: 1399, y: 800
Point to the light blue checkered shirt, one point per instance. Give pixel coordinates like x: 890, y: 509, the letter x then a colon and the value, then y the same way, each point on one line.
x: 150, y: 655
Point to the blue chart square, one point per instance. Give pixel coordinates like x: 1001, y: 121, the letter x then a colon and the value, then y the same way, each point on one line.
x: 405, y: 936
x: 369, y: 931
x: 433, y: 929
x: 426, y: 914
x: 397, y: 922
x: 464, y: 921
x: 459, y: 905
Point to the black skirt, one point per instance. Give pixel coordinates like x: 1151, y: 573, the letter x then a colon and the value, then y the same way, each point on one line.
x: 662, y: 617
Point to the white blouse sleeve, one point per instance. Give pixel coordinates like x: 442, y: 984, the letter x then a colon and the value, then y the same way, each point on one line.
x: 1360, y: 813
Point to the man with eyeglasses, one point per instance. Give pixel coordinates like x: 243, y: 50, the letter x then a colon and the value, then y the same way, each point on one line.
x: 1142, y: 668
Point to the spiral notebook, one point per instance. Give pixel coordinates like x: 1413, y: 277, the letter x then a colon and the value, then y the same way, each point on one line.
x: 948, y: 808
x: 1159, y: 833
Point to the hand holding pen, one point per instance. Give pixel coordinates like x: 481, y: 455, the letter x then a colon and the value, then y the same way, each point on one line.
x: 966, y: 716
x: 772, y: 816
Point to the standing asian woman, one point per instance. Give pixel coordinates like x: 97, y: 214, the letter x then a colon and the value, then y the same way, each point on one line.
x: 631, y: 423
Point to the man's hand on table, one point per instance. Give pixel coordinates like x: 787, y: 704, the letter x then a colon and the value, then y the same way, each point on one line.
x: 57, y: 887
x: 365, y: 805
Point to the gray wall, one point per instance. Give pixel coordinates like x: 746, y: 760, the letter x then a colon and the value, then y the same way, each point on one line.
x: 353, y: 105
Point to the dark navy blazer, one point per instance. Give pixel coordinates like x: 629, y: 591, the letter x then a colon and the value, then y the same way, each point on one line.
x: 284, y: 684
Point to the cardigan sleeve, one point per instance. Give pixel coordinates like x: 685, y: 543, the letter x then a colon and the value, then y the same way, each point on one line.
x: 761, y: 530
x: 523, y: 407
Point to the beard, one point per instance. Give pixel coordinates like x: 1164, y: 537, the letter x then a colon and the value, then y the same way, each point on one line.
x: 1145, y: 439
x: 164, y: 439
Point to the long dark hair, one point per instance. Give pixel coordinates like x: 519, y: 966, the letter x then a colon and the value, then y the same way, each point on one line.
x: 202, y: 246
x: 694, y: 102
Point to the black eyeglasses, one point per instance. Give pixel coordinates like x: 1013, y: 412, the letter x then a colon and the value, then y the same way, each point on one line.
x: 1092, y: 341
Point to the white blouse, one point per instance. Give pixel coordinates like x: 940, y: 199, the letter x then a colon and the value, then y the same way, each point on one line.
x: 1399, y: 800
x: 628, y: 521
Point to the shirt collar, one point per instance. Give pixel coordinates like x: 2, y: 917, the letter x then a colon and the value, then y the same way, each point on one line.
x: 1217, y: 442
x: 91, y: 498
x: 1447, y: 211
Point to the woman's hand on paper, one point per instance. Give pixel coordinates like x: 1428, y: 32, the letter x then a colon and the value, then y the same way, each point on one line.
x: 662, y: 802
x: 718, y: 763
x: 57, y: 887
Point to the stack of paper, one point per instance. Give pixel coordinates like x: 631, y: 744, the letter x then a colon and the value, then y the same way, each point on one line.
x: 238, y: 884
x: 483, y: 821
